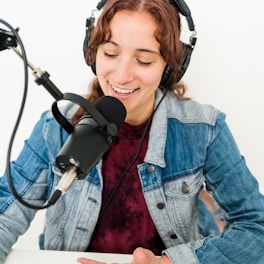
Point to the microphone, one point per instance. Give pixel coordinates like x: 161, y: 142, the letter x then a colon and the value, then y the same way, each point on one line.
x: 87, y: 143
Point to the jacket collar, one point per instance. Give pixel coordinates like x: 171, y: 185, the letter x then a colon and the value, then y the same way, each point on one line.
x: 158, y: 133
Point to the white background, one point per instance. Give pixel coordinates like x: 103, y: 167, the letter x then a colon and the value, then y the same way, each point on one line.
x: 226, y: 69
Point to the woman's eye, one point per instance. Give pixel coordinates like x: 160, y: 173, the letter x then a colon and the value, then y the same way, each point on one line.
x: 144, y: 62
x: 111, y: 55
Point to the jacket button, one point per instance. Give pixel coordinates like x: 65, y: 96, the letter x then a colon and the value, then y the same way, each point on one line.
x: 160, y: 205
x: 150, y: 168
x: 185, y: 188
x: 173, y: 236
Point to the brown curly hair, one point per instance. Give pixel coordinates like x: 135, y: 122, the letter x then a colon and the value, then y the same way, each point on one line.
x: 167, y: 34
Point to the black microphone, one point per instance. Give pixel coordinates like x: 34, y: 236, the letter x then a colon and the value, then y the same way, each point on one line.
x: 88, y: 142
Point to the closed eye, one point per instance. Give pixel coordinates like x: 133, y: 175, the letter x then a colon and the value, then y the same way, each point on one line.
x: 111, y: 55
x: 144, y: 62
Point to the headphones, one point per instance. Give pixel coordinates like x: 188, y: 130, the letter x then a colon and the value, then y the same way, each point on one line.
x: 167, y: 79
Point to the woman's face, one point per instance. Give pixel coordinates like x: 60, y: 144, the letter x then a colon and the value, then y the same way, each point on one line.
x: 129, y: 66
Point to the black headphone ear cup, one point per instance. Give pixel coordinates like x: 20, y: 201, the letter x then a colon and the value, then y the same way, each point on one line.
x: 167, y: 78
x: 185, y: 61
x: 89, y: 28
x: 85, y: 43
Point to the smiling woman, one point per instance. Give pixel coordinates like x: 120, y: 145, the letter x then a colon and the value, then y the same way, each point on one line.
x: 144, y: 195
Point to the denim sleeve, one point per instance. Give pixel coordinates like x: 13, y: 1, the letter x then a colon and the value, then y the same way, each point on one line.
x: 237, y: 192
x: 29, y: 175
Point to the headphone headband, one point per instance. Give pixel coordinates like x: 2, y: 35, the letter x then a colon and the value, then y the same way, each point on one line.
x: 180, y: 4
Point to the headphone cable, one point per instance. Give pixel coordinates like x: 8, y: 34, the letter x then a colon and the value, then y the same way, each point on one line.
x: 110, y: 198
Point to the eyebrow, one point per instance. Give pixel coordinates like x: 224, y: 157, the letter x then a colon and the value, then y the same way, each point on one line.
x: 141, y: 50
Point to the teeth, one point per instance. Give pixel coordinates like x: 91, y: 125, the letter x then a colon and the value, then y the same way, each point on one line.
x: 123, y: 91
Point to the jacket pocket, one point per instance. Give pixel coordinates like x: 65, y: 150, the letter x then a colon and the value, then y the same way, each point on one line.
x: 182, y: 204
x: 185, y: 187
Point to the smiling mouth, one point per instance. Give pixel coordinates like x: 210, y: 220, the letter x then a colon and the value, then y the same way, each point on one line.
x: 123, y: 91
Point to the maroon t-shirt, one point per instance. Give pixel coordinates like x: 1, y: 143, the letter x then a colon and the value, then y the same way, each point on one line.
x: 126, y: 224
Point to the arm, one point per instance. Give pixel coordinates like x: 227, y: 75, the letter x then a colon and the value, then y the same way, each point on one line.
x: 29, y: 173
x: 237, y: 192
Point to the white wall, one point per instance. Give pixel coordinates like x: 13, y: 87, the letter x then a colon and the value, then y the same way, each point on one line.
x: 226, y: 69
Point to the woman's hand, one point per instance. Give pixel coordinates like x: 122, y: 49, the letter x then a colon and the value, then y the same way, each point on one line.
x: 140, y: 256
x: 145, y: 256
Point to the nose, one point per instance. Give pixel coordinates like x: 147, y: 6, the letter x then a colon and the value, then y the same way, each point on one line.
x: 123, y: 72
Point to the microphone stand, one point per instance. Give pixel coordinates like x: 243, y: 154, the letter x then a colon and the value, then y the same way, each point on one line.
x: 8, y: 39
x: 42, y: 78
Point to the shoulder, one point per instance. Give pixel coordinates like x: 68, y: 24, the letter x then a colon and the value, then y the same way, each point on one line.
x: 191, y: 111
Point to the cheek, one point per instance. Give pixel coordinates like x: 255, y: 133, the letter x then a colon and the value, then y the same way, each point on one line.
x: 102, y: 72
x: 153, y: 77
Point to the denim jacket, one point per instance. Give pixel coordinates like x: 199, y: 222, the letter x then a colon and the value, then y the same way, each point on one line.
x: 190, y: 148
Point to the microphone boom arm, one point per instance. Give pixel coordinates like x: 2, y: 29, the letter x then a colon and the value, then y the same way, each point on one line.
x: 42, y: 78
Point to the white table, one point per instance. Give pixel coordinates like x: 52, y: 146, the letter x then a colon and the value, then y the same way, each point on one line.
x: 25, y: 256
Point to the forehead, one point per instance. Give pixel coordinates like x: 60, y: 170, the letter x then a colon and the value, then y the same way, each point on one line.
x: 134, y: 27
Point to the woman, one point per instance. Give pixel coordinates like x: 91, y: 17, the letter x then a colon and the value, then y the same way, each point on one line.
x: 168, y: 150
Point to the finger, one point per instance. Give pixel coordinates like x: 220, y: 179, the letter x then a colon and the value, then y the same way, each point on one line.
x: 141, y: 255
x: 88, y: 261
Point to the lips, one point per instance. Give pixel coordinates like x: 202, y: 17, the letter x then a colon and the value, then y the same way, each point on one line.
x: 123, y: 91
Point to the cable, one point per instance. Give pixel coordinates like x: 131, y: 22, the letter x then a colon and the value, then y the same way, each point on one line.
x: 112, y: 194
x: 14, y: 131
